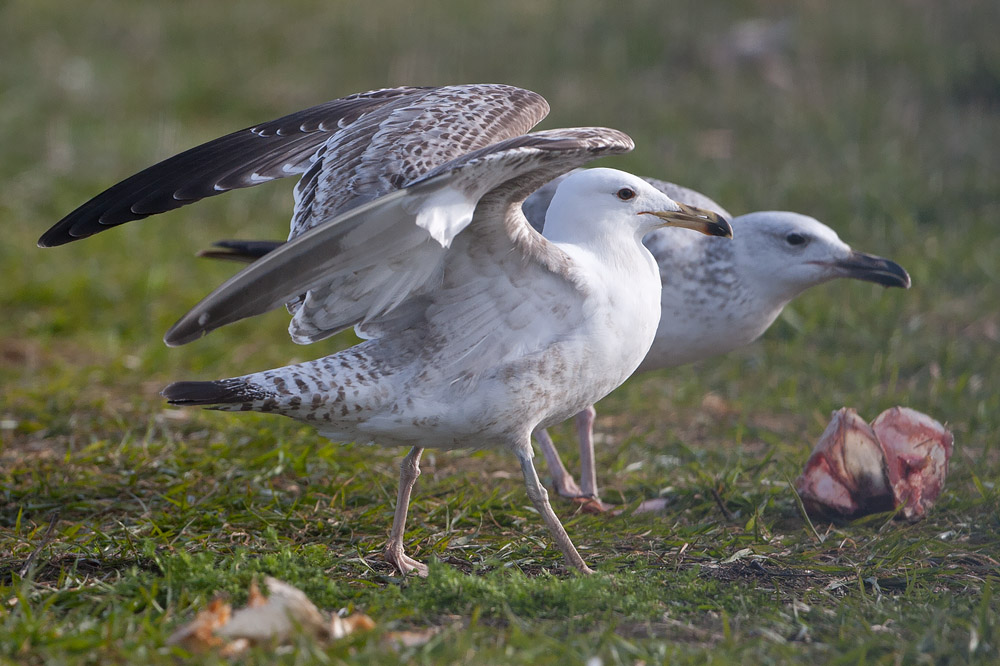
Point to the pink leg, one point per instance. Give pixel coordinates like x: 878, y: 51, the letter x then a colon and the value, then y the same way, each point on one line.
x: 585, y: 435
x: 540, y: 498
x: 409, y: 470
x: 561, y: 479
x: 588, y: 469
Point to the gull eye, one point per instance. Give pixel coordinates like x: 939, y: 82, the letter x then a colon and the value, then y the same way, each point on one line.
x: 625, y: 193
x: 796, y: 239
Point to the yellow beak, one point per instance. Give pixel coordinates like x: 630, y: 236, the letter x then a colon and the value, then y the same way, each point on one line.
x: 707, y: 222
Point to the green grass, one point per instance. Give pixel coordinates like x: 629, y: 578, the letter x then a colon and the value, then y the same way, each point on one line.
x: 119, y: 517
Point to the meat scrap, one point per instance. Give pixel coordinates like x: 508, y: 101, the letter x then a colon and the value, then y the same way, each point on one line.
x: 899, y: 462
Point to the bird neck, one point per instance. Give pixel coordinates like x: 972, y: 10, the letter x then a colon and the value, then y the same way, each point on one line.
x: 615, y: 268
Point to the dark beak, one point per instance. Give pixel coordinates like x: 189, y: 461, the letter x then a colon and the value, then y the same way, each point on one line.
x: 868, y: 267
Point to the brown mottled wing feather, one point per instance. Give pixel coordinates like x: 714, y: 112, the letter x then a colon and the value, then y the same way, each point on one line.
x: 381, y: 264
x: 251, y: 156
x: 399, y: 144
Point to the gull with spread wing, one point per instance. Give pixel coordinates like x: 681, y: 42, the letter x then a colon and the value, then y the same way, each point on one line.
x: 408, y: 227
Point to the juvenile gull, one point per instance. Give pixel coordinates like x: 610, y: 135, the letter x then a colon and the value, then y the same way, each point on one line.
x: 718, y: 296
x: 408, y: 226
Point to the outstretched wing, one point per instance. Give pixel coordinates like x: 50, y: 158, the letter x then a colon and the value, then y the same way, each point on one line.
x: 341, y: 140
x: 379, y: 265
x: 258, y: 154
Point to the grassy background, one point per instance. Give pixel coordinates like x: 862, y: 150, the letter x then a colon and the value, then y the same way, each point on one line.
x: 120, y: 517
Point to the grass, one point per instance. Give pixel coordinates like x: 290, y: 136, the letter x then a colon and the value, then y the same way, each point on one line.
x: 119, y: 517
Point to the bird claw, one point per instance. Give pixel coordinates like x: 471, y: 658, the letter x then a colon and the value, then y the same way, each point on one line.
x: 404, y: 564
x: 592, y: 505
x: 567, y: 487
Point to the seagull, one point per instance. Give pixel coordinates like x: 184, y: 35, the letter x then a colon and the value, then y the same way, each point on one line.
x: 717, y: 297
x: 407, y: 225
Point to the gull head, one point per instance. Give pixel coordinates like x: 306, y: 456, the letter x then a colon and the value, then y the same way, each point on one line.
x: 601, y: 203
x: 786, y: 253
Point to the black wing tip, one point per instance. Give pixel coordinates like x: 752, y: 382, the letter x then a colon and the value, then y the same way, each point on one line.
x: 88, y: 220
x: 179, y: 336
x: 57, y: 235
x: 219, y: 392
